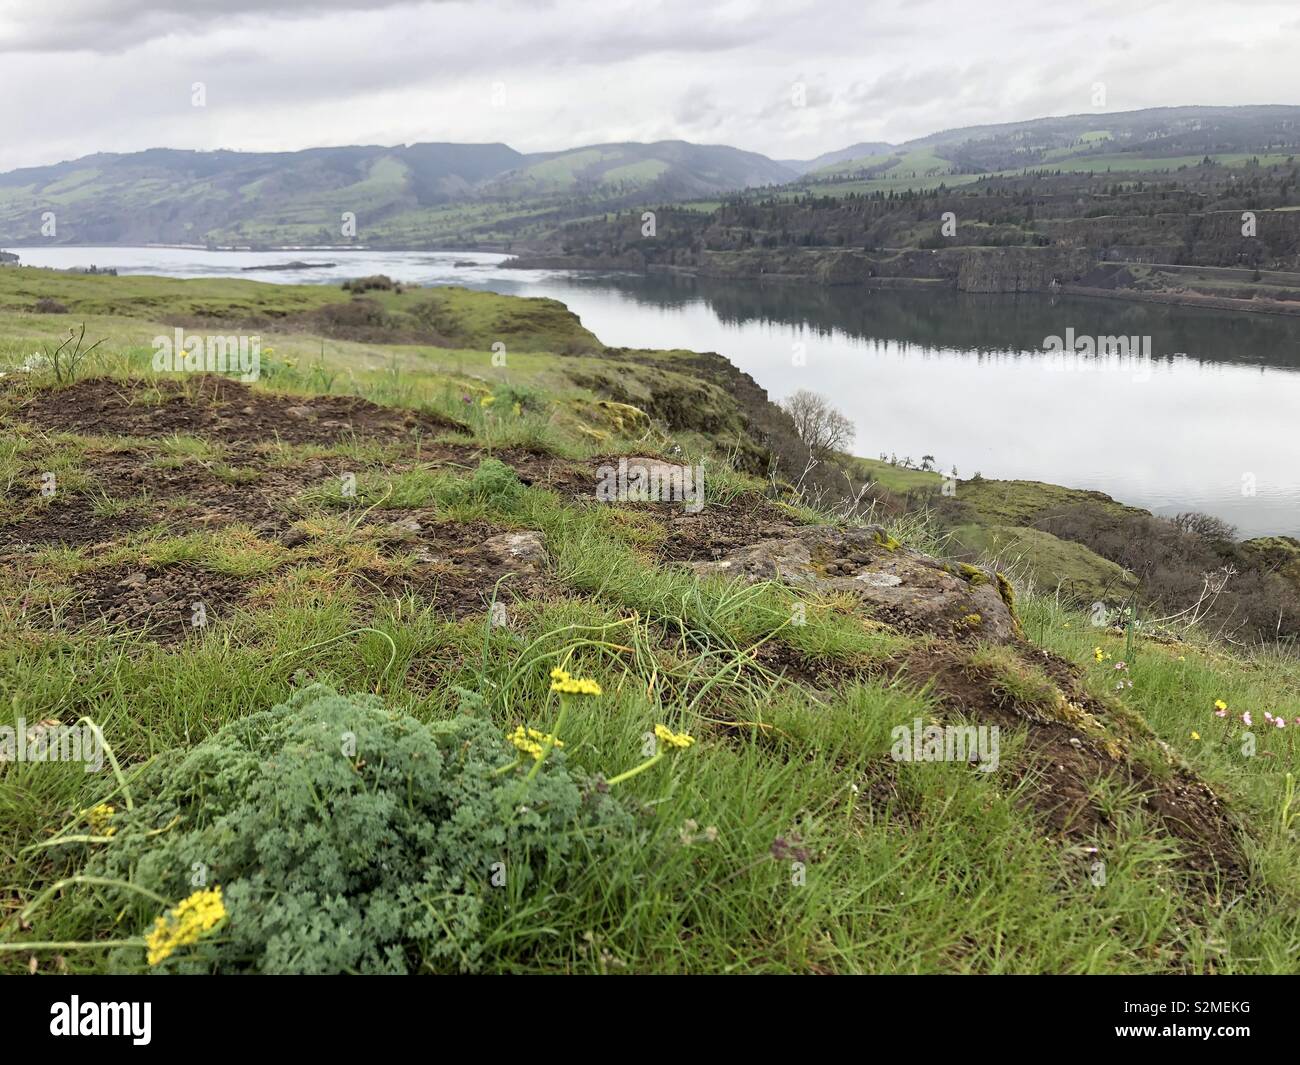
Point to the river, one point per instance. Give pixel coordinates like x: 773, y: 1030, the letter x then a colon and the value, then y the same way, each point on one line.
x: 1209, y: 422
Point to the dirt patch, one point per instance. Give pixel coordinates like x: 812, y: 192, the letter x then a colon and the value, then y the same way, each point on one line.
x: 720, y: 528
x: 191, y: 497
x: 1064, y: 764
x: 458, y: 567
x: 71, y: 521
x: 217, y: 408
x: 163, y: 602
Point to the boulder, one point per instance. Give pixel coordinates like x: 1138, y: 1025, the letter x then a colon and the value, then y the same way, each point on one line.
x: 904, y: 588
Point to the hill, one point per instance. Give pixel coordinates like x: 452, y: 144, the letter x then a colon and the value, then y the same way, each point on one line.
x: 491, y: 196
x: 579, y: 732
x: 404, y: 196
x: 1125, y: 140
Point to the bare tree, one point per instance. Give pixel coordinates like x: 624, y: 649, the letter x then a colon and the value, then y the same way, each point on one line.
x: 820, y: 426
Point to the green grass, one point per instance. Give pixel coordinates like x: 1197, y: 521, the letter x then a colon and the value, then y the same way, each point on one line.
x: 785, y: 840
x: 1048, y: 561
x: 1022, y: 502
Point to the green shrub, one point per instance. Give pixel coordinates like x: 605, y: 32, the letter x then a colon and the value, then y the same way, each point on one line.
x: 347, y: 837
x: 518, y: 398
x: 493, y: 484
x: 365, y: 284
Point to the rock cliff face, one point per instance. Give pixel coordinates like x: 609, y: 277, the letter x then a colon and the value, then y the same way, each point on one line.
x: 1217, y: 239
x: 1021, y: 269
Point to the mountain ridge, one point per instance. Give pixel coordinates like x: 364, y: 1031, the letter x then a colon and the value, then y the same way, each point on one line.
x: 490, y: 195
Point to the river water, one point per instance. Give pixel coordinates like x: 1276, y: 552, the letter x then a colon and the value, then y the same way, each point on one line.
x: 1210, y: 421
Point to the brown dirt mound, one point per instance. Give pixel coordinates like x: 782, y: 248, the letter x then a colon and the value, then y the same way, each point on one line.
x: 218, y: 408
x: 1065, y: 764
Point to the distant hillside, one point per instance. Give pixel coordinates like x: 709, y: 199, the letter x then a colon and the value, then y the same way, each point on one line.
x: 670, y: 169
x: 1128, y: 140
x: 403, y: 196
x: 827, y: 159
x: 492, y: 196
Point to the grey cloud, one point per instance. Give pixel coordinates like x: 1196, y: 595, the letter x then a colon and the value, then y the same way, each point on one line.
x: 108, y: 26
x: 286, y: 74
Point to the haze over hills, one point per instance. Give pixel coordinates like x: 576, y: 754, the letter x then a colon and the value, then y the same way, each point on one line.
x: 486, y: 195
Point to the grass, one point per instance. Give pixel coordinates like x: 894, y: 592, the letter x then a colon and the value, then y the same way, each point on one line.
x: 1048, y: 561
x: 785, y: 840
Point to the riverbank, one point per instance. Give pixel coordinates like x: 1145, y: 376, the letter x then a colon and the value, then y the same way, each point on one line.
x: 974, y: 270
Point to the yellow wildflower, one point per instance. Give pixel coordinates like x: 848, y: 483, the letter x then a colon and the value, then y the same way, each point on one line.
x: 530, y: 741
x: 184, y: 924
x: 518, y: 409
x: 487, y: 401
x: 1195, y: 735
x: 562, y: 682
x: 673, y: 739
x: 98, y: 818
x: 1219, y: 704
x: 1099, y: 654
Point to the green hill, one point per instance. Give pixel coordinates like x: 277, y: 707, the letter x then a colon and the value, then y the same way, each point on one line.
x: 578, y: 732
x: 407, y: 196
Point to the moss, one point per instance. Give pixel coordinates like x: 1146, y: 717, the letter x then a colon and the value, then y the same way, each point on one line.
x: 1006, y: 591
x: 973, y: 575
x: 1008, y: 595
x: 886, y: 541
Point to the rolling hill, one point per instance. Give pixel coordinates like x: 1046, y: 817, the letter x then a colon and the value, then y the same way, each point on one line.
x: 1129, y: 140
x: 492, y: 196
x: 406, y: 195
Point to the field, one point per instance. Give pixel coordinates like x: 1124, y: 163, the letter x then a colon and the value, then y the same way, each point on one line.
x: 390, y: 513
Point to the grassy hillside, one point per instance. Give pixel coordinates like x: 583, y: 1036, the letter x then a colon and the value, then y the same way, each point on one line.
x: 403, y: 196
x: 1152, y: 140
x: 414, y: 524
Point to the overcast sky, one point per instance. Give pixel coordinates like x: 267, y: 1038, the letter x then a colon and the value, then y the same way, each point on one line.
x: 80, y: 76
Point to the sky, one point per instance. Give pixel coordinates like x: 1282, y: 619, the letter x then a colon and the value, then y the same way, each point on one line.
x: 788, y: 78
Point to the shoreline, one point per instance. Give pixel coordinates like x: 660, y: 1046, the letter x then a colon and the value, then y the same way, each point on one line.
x: 1282, y: 308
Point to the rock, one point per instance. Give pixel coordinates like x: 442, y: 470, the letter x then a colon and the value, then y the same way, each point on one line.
x: 525, y: 548
x: 295, y: 537
x: 298, y: 412
x: 902, y: 587
x: 136, y: 580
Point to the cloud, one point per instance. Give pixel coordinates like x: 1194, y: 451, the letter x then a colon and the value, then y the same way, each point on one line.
x: 116, y: 75
x: 107, y: 26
